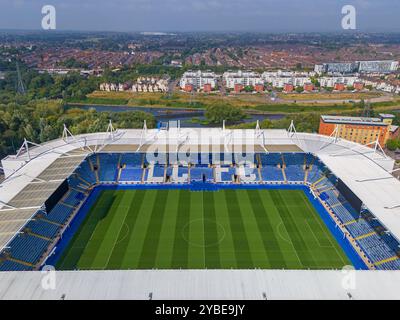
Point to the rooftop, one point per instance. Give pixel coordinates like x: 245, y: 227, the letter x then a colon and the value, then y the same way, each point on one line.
x: 202, y: 284
x: 387, y: 116
x: 353, y: 120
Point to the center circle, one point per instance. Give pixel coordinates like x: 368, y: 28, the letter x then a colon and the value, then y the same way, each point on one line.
x: 200, y: 224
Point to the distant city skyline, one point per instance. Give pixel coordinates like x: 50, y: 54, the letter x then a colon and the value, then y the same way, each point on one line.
x: 204, y: 15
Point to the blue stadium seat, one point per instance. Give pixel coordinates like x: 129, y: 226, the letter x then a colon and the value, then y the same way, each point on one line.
x: 296, y: 159
x: 205, y: 159
x: 59, y: 214
x: 131, y: 160
x: 228, y: 175
x: 8, y: 265
x: 42, y: 228
x: 272, y: 159
x: 246, y: 172
x: 196, y: 174
x: 295, y: 173
x: 28, y: 248
x: 108, y: 167
x: 85, y: 172
x: 244, y: 158
x: 271, y: 173
x: 131, y: 174
x: 73, y: 198
x: 158, y: 171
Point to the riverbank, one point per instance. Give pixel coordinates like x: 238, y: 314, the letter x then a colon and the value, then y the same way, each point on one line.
x: 251, y: 103
x: 83, y: 104
x: 188, y: 117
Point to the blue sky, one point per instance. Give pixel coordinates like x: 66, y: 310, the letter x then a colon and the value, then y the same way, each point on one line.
x: 202, y: 15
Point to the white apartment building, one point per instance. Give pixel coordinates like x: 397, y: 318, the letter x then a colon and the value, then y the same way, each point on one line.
x: 287, y: 74
x: 279, y: 82
x: 380, y: 66
x: 198, y: 79
x: 368, y: 67
x: 279, y: 78
x: 319, y: 69
x: 245, y: 78
x: 329, y: 82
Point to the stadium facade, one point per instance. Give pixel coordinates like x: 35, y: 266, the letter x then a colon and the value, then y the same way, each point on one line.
x: 47, y: 185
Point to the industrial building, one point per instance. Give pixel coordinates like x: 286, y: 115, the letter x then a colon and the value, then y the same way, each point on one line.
x: 361, y: 130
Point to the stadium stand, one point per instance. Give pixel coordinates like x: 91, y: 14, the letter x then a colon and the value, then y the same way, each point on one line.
x: 182, y: 173
x: 108, y: 164
x: 271, y: 165
x: 42, y: 228
x: 85, y: 174
x: 201, y: 173
x: 131, y: 160
x: 271, y: 173
x: 8, y: 265
x: 225, y: 174
x: 271, y: 159
x: 294, y: 166
x: 381, y: 250
x: 59, y: 214
x: 131, y: 174
x: 247, y: 173
x: 26, y: 249
x: 204, y: 158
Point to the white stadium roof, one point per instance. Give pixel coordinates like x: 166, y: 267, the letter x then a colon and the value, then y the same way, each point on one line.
x: 36, y: 172
x: 200, y: 285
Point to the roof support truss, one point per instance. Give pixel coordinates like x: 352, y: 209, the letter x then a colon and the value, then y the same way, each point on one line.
x: 335, y: 137
x: 292, y: 132
x: 260, y: 134
x: 66, y: 135
x: 25, y: 148
x: 377, y: 149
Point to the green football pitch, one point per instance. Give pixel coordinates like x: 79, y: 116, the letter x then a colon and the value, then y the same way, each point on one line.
x: 230, y: 228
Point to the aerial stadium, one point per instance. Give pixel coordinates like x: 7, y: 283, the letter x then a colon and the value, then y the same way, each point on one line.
x: 199, y: 213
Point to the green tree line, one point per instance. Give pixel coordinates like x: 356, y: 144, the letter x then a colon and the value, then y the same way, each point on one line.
x: 304, y: 123
x: 43, y: 120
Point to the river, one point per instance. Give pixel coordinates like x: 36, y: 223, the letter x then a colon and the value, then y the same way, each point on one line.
x: 174, y: 114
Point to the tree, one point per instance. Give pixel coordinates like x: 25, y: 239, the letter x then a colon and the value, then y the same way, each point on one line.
x: 393, y: 144
x: 218, y: 113
x: 315, y: 82
x: 248, y: 88
x: 42, y: 120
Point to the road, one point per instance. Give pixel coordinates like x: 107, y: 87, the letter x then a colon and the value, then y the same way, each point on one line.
x: 385, y: 98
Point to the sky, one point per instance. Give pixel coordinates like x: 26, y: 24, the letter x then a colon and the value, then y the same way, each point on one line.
x: 202, y: 15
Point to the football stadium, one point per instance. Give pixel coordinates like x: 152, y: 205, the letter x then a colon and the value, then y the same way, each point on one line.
x: 199, y: 213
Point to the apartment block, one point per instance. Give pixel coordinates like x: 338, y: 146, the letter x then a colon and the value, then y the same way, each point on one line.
x: 244, y: 78
x: 198, y: 79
